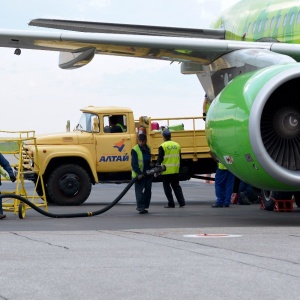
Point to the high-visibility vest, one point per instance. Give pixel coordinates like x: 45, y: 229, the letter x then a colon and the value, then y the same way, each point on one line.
x: 139, y: 153
x: 221, y: 166
x: 118, y: 124
x: 171, y: 158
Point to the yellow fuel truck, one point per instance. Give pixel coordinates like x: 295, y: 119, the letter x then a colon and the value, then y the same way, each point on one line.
x: 71, y: 162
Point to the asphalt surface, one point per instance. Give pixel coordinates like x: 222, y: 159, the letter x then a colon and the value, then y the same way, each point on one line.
x: 195, y: 252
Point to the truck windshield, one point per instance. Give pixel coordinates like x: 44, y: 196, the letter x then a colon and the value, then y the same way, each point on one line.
x: 88, y: 122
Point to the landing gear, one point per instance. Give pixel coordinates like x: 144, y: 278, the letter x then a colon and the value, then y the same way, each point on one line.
x: 268, y: 195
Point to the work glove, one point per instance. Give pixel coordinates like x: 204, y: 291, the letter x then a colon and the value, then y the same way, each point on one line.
x: 204, y: 117
x: 140, y: 176
x: 13, y: 178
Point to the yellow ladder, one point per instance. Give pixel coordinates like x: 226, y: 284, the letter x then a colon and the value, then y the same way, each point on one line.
x: 12, y: 147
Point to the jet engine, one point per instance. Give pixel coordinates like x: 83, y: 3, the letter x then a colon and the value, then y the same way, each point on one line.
x: 253, y: 127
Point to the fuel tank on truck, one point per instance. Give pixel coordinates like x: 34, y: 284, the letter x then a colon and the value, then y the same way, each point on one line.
x: 253, y: 127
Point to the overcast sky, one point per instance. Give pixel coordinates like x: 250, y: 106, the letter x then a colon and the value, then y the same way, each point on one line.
x: 38, y: 95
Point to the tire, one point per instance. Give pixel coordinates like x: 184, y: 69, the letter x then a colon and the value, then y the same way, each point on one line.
x: 22, y: 211
x: 39, y: 191
x: 68, y: 185
x: 268, y: 195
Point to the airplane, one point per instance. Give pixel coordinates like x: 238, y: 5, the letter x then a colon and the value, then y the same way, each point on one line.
x: 247, y: 62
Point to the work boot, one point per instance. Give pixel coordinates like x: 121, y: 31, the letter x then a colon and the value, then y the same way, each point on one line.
x: 217, y: 205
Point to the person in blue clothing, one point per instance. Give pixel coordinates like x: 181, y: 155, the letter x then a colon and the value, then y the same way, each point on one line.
x: 224, y: 181
x: 140, y: 163
x: 6, y: 166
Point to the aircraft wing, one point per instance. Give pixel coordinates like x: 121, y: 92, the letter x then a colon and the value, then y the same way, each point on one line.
x: 78, y: 48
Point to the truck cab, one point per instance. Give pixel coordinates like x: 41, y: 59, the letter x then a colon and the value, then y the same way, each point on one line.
x: 112, y: 148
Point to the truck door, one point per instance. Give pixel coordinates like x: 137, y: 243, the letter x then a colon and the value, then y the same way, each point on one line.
x: 114, y: 145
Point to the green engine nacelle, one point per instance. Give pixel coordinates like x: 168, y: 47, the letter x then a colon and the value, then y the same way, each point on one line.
x: 253, y: 127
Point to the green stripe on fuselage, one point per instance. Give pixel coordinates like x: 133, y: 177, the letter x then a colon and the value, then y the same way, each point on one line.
x: 259, y: 15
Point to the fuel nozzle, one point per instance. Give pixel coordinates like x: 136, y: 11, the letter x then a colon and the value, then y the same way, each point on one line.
x: 156, y: 170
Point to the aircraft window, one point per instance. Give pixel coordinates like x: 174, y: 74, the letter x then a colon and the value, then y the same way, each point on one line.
x: 278, y: 21
x: 266, y: 24
x: 254, y: 27
x: 272, y: 23
x: 298, y: 17
x: 284, y: 20
x: 259, y: 26
x: 292, y: 19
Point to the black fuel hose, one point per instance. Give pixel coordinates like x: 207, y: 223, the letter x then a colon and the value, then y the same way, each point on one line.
x: 77, y: 215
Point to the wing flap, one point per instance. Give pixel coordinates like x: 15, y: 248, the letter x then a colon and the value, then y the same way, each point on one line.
x: 116, y: 28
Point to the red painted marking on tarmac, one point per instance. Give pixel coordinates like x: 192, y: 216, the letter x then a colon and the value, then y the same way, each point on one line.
x: 211, y: 235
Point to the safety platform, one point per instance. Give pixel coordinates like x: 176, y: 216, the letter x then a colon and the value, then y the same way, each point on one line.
x: 12, y: 147
x: 280, y: 205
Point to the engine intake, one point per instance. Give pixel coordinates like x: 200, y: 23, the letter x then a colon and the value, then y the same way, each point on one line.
x: 280, y: 125
x: 253, y: 127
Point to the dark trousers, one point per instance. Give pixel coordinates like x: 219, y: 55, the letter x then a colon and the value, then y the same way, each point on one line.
x: 224, y: 181
x: 172, y: 180
x: 248, y: 191
x: 143, y: 192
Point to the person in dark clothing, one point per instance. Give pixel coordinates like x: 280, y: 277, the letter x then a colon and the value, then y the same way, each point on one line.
x: 206, y: 104
x: 247, y: 194
x: 140, y: 163
x: 6, y: 166
x: 169, y: 155
x: 114, y: 125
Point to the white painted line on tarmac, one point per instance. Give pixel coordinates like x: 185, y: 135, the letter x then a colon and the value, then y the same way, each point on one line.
x: 211, y: 235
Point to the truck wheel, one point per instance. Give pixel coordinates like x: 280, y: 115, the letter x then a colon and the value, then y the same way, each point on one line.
x: 39, y: 191
x: 69, y: 185
x: 268, y: 195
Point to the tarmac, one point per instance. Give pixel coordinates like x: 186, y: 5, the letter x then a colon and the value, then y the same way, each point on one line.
x: 195, y: 252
